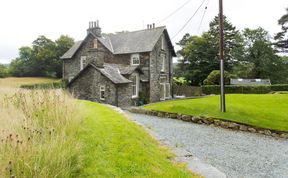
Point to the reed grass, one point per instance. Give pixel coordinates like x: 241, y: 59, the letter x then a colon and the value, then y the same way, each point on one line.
x: 37, y: 134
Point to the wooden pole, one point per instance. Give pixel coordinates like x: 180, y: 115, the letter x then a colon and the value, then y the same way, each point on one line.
x: 221, y: 54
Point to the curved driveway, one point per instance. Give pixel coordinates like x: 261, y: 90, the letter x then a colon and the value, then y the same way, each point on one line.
x: 235, y: 153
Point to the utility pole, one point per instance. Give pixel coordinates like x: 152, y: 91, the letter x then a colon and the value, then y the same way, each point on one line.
x: 221, y: 54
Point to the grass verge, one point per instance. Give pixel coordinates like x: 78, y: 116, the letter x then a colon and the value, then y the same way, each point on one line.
x: 116, y: 147
x: 265, y: 111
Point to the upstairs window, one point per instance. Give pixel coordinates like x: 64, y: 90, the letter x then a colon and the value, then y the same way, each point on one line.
x: 162, y: 42
x: 135, y: 59
x: 102, y: 92
x: 83, y: 62
x: 163, y: 61
x: 95, y: 44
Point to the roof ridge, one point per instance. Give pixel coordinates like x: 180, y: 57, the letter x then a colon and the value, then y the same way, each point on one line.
x: 124, y: 32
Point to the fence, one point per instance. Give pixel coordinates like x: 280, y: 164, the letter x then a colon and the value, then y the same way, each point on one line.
x: 187, y: 91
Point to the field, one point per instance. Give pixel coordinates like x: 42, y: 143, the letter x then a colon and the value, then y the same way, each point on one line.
x: 47, y: 133
x: 265, y: 111
x: 12, y: 82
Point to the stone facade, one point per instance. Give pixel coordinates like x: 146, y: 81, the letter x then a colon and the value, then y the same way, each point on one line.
x: 155, y: 71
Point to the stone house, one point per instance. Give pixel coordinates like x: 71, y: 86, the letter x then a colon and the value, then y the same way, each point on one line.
x: 120, y: 69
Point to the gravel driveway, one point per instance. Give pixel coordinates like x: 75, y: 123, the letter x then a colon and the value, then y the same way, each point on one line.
x: 235, y: 153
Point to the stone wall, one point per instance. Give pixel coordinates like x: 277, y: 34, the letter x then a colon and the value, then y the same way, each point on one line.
x: 156, y: 66
x: 213, y: 122
x: 87, y: 87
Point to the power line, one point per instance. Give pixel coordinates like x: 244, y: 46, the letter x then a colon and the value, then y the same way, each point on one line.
x: 173, y: 12
x: 189, y: 19
x: 203, y: 15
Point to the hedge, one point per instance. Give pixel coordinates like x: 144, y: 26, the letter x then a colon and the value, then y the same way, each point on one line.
x: 279, y: 87
x: 51, y: 85
x: 245, y: 89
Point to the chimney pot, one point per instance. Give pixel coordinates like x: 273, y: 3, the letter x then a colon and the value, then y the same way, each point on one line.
x: 94, y: 28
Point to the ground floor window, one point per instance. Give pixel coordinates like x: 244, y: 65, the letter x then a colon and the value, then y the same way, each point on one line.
x: 165, y: 92
x: 102, y: 92
x: 135, y: 85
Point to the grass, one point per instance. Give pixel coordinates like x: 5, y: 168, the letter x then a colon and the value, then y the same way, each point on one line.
x: 116, y: 147
x: 46, y: 133
x: 13, y: 82
x: 37, y: 137
x: 265, y: 111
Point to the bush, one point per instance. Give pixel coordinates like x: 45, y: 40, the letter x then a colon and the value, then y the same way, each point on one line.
x: 245, y: 89
x: 214, y: 78
x: 51, y: 85
x: 279, y: 87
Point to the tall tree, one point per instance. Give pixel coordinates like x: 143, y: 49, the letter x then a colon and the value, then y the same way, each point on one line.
x: 261, y: 56
x: 200, y: 53
x: 282, y: 37
x: 43, y: 59
x: 63, y: 44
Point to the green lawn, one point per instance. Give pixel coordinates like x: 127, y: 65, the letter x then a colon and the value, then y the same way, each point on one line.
x: 267, y: 111
x: 116, y: 147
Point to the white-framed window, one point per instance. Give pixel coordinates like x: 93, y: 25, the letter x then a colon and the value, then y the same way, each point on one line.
x: 135, y: 85
x: 102, y: 92
x: 135, y: 59
x: 162, y: 42
x: 163, y: 60
x: 82, y: 62
x: 165, y: 88
x: 95, y: 44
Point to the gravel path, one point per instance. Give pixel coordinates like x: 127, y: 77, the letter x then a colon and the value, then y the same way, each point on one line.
x: 235, y: 153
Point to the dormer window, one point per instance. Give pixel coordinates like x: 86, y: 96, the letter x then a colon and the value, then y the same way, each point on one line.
x: 82, y: 62
x: 135, y: 59
x: 95, y: 44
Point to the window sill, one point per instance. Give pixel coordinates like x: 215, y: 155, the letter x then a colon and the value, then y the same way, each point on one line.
x: 134, y: 97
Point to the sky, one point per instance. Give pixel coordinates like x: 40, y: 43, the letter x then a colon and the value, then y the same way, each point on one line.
x: 21, y: 22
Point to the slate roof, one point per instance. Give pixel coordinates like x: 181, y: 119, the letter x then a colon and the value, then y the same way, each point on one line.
x: 113, y: 74
x: 127, y: 42
x: 69, y: 54
x: 125, y: 69
x: 109, y: 71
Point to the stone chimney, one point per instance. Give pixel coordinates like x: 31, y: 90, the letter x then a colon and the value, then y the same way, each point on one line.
x: 94, y: 28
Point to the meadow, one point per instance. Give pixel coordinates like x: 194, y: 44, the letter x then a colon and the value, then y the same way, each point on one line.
x: 47, y: 133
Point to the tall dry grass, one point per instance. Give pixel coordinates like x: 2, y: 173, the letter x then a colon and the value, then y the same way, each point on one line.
x: 38, y: 134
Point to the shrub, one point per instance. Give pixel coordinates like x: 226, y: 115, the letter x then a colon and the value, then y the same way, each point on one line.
x: 245, y: 89
x: 214, y: 78
x: 279, y: 87
x: 51, y: 85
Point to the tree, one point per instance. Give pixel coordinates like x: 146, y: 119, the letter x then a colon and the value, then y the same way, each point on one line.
x: 3, y: 71
x: 43, y: 59
x: 282, y: 37
x: 63, y: 44
x: 200, y: 53
x: 260, y: 57
x: 233, y: 45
